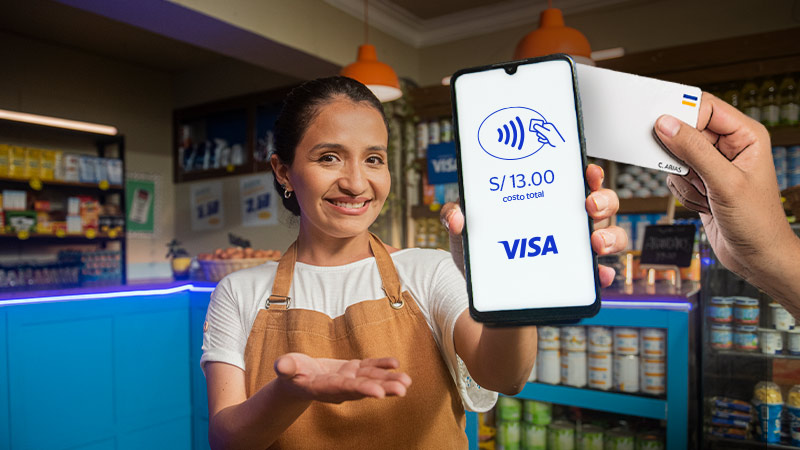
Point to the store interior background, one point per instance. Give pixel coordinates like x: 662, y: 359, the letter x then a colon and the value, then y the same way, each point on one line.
x: 130, y: 64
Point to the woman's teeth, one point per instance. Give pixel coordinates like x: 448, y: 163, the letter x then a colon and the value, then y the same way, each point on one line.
x: 349, y: 205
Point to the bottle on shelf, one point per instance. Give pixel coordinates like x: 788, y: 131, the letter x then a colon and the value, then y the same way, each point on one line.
x: 732, y: 96
x: 750, y: 101
x: 789, y: 101
x: 770, y: 111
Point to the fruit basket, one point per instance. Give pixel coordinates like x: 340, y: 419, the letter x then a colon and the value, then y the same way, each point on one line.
x: 217, y: 269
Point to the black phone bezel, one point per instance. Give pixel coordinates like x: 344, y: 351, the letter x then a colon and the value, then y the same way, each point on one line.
x: 530, y: 316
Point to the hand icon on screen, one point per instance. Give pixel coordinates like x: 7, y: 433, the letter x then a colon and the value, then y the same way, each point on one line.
x: 547, y: 133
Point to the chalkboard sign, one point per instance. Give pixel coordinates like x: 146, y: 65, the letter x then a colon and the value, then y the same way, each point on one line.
x: 668, y: 245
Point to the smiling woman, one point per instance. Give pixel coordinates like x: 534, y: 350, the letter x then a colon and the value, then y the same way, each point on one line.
x: 292, y: 350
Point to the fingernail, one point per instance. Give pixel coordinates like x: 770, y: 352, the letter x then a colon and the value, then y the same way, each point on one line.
x: 668, y: 125
x: 609, y: 239
x: 446, y: 219
x: 602, y: 173
x: 600, y: 202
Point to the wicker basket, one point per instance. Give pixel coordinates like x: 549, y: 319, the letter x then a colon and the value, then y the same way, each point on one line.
x: 217, y: 269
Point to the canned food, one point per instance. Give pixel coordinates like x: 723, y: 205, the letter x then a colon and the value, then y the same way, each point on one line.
x: 434, y: 132
x: 771, y: 341
x: 653, y: 342
x: 573, y: 339
x: 548, y: 366
x: 649, y: 441
x: 745, y: 338
x: 745, y: 310
x: 619, y: 439
x: 561, y: 436
x: 721, y: 336
x: 793, y: 341
x: 781, y: 319
x: 600, y: 340
x: 626, y: 341
x: 509, y: 409
x: 534, y: 437
x: 573, y: 369
x: 626, y: 373
x: 590, y: 438
x: 446, y: 129
x: 720, y: 310
x: 537, y: 413
x: 549, y: 338
x: 653, y: 376
x: 600, y: 373
x: 422, y: 139
x: 508, y: 435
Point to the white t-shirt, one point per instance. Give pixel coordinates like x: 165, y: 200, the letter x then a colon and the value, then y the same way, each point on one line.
x: 430, y: 276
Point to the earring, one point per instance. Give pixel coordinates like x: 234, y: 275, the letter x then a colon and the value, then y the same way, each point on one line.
x: 286, y: 193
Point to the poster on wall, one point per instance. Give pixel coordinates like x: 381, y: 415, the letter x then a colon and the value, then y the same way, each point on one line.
x: 206, y: 206
x: 259, y: 201
x: 140, y: 200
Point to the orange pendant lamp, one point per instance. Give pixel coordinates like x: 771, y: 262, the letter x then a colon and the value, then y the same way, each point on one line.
x: 553, y: 36
x: 377, y: 76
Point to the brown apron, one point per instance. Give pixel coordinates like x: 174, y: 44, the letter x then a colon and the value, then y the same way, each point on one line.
x: 430, y: 416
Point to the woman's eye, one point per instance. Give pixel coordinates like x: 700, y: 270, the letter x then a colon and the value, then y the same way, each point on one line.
x: 328, y: 158
x: 375, y: 160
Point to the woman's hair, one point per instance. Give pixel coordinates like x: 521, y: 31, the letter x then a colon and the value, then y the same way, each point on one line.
x: 301, y: 106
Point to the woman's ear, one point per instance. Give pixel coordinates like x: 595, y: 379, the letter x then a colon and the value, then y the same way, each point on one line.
x: 281, y: 172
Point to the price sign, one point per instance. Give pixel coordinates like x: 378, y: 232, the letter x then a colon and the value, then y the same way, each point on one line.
x: 259, y: 201
x: 104, y: 185
x: 668, y: 245
x: 206, y: 206
x: 35, y: 184
x: 23, y: 235
x: 91, y: 233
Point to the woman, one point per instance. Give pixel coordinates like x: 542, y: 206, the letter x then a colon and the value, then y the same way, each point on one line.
x: 299, y: 354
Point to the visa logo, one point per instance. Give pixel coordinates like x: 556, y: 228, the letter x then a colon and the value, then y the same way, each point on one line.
x: 519, y: 248
x: 444, y: 165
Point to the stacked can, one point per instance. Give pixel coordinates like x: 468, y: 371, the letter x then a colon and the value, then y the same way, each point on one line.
x: 536, y: 416
x: 793, y: 165
x: 548, y: 361
x: 746, y: 314
x: 561, y: 435
x: 509, y: 415
x: 653, y: 370
x: 779, y: 158
x: 573, y: 356
x: 720, y: 316
x: 626, y: 359
x: 590, y: 437
x: 600, y: 360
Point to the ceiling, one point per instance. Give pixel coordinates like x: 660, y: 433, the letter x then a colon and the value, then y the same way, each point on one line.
x: 52, y: 22
x: 426, y: 9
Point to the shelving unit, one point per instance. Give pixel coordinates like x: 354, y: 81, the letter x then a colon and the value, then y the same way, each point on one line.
x: 52, y: 137
x: 671, y: 312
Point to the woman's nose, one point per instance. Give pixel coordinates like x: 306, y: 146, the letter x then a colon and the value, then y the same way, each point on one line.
x: 353, y: 179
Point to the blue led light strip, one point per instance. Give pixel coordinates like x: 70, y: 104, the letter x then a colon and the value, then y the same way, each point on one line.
x: 680, y: 306
x: 105, y: 295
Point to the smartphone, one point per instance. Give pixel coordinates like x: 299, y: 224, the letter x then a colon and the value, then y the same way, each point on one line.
x: 521, y: 166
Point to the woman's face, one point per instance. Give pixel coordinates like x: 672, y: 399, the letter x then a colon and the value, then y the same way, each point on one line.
x: 340, y: 174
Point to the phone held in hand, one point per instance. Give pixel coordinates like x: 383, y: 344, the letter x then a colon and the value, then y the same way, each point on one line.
x: 521, y: 166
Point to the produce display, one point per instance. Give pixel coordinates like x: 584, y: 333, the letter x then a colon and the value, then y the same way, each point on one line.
x: 239, y: 253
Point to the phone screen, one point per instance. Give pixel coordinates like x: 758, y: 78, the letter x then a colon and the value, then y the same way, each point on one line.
x: 527, y: 232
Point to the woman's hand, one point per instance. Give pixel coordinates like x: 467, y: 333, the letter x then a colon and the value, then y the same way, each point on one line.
x: 601, y: 204
x: 337, y: 381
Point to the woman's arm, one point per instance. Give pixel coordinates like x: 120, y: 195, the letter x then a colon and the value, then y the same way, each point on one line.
x: 501, y: 359
x: 236, y: 421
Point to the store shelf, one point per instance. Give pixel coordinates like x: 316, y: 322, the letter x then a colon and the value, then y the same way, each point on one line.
x: 26, y: 184
x: 785, y: 135
x: 51, y: 238
x: 614, y: 402
x: 745, y: 444
x: 757, y: 355
x: 425, y: 212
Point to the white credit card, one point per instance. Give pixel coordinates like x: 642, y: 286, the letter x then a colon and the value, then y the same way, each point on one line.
x: 620, y: 109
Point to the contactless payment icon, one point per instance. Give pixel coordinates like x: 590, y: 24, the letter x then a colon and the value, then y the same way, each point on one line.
x: 516, y: 132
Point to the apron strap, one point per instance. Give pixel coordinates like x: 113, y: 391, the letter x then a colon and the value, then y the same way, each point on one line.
x: 279, y: 298
x: 387, y: 270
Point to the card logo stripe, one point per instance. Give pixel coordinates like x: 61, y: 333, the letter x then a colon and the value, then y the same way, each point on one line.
x: 689, y: 103
x: 690, y: 97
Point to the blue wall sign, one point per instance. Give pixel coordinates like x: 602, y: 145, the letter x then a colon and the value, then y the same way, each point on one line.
x: 442, y: 165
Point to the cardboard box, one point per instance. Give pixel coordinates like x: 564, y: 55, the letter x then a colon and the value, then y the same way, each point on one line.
x: 14, y: 200
x: 71, y: 167
x: 114, y: 169
x: 4, y: 151
x: 16, y: 162
x: 33, y: 162
x: 47, y: 170
x: 74, y: 225
x: 21, y: 221
x: 86, y: 169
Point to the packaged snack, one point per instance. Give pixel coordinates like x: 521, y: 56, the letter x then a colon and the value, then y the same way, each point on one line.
x: 730, y: 433
x: 793, y: 407
x: 4, y: 151
x: 70, y: 167
x: 730, y: 422
x: 730, y: 414
x: 48, y: 165
x: 730, y: 403
x: 767, y: 392
x: 33, y: 162
x: 769, y: 406
x: 16, y: 162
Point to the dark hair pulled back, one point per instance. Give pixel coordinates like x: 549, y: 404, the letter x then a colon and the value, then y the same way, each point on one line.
x: 301, y: 106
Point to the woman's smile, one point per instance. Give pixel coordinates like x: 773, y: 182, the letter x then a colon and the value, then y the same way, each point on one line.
x: 350, y: 206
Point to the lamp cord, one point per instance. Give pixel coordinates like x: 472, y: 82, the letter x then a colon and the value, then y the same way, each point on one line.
x: 366, y: 22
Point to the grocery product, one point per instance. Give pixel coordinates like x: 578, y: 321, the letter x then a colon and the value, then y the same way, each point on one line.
x: 721, y: 336
x: 781, y: 319
x: 653, y: 376
x: 653, y: 342
x: 720, y: 310
x: 534, y: 437
x: 509, y: 435
x: 549, y: 338
x: 600, y: 339
x: 573, y: 339
x: 745, y: 310
x: 770, y: 341
x: 573, y: 368
x: 561, y: 435
x: 769, y: 406
x: 649, y: 441
x: 793, y: 341
x: 626, y: 373
x: 793, y: 408
x: 619, y: 439
x: 509, y: 409
x: 600, y: 371
x: 745, y: 338
x: 626, y: 341
x: 590, y: 437
x: 537, y: 413
x: 548, y: 364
